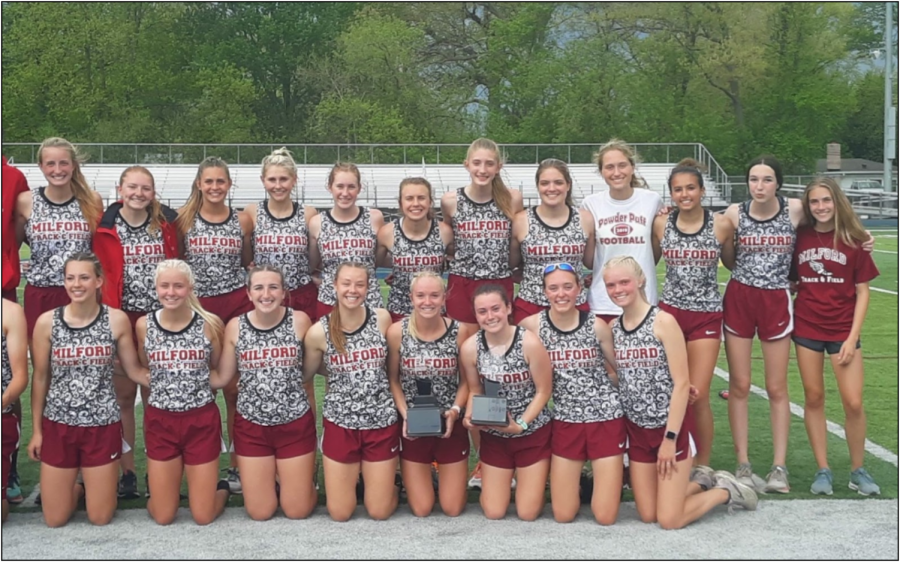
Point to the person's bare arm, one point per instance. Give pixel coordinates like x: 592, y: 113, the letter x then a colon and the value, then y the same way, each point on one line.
x: 14, y: 326
x: 227, y: 367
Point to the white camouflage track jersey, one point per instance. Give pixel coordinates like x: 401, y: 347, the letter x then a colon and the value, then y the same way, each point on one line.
x: 179, y: 365
x: 409, y: 257
x: 213, y: 250
x: 283, y: 243
x: 341, y: 242
x: 692, y: 266
x: 141, y: 252
x: 270, y: 387
x: 54, y: 232
x: 435, y: 361
x: 481, y: 233
x: 81, y: 373
x: 7, y: 373
x: 764, y: 249
x: 545, y: 245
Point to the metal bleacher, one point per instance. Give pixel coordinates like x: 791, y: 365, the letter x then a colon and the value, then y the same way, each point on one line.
x: 380, y: 182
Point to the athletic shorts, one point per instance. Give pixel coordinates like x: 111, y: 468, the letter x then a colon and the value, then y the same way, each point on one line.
x: 195, y: 435
x: 39, y: 300
x: 460, y: 293
x: 607, y: 318
x: 323, y: 310
x: 749, y: 311
x: 354, y: 445
x: 10, y: 442
x: 832, y: 347
x: 643, y: 443
x: 424, y: 450
x: 397, y: 317
x: 304, y: 299
x: 11, y: 296
x: 71, y: 446
x: 228, y: 306
x: 515, y: 452
x: 522, y: 309
x: 285, y: 441
x: 588, y: 441
x: 696, y: 325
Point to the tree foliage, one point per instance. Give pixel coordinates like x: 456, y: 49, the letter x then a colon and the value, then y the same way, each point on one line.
x: 743, y: 78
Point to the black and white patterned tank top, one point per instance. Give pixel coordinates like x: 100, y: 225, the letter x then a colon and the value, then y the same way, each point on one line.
x: 514, y: 376
x: 544, y: 245
x: 582, y: 390
x: 481, y: 233
x: 213, y: 250
x: 7, y: 373
x: 764, y: 249
x: 341, y: 242
x: 645, y: 383
x: 435, y: 361
x: 54, y: 232
x: 692, y: 266
x: 141, y: 251
x: 283, y: 243
x: 270, y: 388
x: 359, y: 395
x: 409, y: 257
x: 81, y: 370
x: 179, y: 365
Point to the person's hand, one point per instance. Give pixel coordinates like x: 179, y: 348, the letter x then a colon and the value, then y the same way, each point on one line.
x: 34, y: 447
x: 665, y: 460
x: 794, y: 287
x: 869, y: 244
x: 588, y: 280
x: 405, y: 434
x: 451, y: 416
x: 847, y: 353
x: 665, y: 210
x: 693, y: 395
x: 467, y: 422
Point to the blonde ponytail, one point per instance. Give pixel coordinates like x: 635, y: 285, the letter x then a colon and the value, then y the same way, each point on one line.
x: 188, y: 214
x: 499, y: 192
x: 215, y: 323
x: 335, y: 332
x: 83, y: 193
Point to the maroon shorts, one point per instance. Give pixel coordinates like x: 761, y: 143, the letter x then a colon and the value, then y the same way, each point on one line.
x: 522, y: 309
x: 460, y: 293
x: 397, y: 317
x: 323, y: 310
x: 133, y: 317
x: 285, y: 441
x: 228, y: 306
x: 607, y: 318
x: 689, y: 426
x: 39, y: 300
x: 304, y: 299
x: 11, y: 296
x: 10, y: 442
x: 516, y: 452
x: 766, y: 312
x: 70, y: 446
x: 643, y: 444
x: 195, y: 435
x: 424, y: 450
x: 696, y: 325
x: 588, y: 441
x: 354, y: 445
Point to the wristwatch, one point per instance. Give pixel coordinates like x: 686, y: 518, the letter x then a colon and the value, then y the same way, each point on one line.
x: 671, y: 435
x: 522, y: 424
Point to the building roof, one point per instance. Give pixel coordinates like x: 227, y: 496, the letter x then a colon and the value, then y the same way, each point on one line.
x: 854, y: 165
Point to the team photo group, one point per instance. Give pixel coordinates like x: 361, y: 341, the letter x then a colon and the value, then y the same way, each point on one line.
x: 552, y: 311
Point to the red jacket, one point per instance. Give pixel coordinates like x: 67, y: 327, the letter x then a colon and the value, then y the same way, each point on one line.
x: 108, y: 248
x: 13, y: 184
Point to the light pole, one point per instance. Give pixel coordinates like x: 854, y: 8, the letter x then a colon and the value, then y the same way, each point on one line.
x: 890, y: 113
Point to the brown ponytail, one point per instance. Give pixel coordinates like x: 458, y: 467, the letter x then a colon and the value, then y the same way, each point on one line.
x: 188, y: 214
x: 84, y: 194
x: 335, y: 333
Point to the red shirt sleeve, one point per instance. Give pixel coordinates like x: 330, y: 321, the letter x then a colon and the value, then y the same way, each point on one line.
x: 865, y: 270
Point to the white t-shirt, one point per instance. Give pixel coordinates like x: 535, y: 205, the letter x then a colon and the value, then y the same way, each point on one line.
x: 622, y: 228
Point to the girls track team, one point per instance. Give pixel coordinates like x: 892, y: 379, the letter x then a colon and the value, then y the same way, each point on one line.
x: 600, y: 374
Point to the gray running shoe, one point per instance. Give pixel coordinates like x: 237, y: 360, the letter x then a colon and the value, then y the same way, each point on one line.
x: 822, y: 484
x: 744, y: 474
x: 234, y: 480
x: 703, y: 476
x: 740, y: 494
x: 777, y: 480
x: 863, y: 483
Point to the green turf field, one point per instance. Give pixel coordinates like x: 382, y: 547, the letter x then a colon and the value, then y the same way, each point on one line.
x: 880, y: 336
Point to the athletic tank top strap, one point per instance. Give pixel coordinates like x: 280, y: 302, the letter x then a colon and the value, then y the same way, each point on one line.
x: 358, y: 395
x: 481, y: 233
x: 544, y: 245
x: 213, y: 250
x: 283, y: 243
x: 341, y: 242
x: 645, y: 382
x: 179, y: 365
x: 512, y: 372
x: 81, y: 369
x: 141, y: 251
x: 270, y: 388
x: 435, y: 361
x: 7, y: 373
x: 54, y: 232
x: 582, y: 390
x: 764, y: 249
x: 409, y: 257
x: 692, y: 266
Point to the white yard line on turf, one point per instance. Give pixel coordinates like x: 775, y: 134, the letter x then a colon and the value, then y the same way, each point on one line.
x: 833, y: 428
x: 885, y: 252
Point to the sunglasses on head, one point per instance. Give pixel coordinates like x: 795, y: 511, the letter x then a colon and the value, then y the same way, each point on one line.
x: 561, y: 266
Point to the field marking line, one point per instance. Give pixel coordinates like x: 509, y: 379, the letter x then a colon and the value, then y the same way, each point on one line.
x: 885, y: 252
x: 833, y: 428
